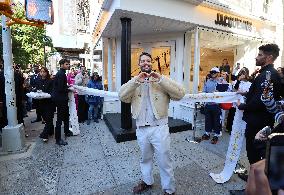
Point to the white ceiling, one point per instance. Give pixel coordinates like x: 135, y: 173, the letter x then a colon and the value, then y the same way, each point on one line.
x: 143, y: 24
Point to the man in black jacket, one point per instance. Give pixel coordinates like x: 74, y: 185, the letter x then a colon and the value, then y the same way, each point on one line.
x: 255, y: 112
x: 33, y: 82
x: 60, y: 98
x: 19, y: 92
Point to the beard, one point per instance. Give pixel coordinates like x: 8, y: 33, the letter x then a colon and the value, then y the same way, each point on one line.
x: 146, y: 70
x: 260, y: 63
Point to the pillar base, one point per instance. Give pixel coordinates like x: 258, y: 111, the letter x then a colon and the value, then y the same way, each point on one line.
x: 13, y: 138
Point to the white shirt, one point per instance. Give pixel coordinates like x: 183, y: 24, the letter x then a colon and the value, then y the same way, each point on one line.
x: 146, y: 116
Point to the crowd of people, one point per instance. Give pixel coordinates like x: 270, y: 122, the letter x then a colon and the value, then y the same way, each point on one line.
x: 259, y: 110
x: 88, y: 107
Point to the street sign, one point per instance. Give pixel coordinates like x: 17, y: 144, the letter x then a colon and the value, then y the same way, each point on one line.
x: 39, y: 11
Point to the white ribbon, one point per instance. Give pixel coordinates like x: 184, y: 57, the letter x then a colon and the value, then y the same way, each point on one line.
x: 234, y: 149
x: 96, y: 92
x: 38, y: 95
x: 217, y: 97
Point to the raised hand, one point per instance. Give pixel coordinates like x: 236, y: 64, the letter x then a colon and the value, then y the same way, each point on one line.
x: 241, y: 77
x: 156, y: 76
x: 142, y: 76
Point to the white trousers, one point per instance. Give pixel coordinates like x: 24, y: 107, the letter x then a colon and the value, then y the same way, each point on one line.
x: 156, y: 139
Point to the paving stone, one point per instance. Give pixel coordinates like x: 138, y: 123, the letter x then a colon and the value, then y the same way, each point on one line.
x: 93, y: 163
x: 85, y: 178
x: 76, y: 154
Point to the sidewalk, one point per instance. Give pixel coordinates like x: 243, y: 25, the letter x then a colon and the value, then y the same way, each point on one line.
x: 93, y: 163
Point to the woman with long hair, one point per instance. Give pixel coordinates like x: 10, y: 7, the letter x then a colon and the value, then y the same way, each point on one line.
x: 46, y: 106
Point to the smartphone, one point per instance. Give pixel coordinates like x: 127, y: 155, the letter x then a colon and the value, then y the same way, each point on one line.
x: 274, y: 167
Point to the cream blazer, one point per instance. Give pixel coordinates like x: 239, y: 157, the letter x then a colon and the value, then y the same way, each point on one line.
x: 160, y: 95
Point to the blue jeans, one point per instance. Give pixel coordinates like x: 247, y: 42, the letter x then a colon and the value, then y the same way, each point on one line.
x: 212, y: 118
x: 93, y: 111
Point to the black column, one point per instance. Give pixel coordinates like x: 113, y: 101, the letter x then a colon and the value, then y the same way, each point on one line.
x: 126, y: 119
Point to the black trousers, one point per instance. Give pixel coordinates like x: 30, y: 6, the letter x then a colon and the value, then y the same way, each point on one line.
x: 230, y: 119
x: 83, y: 108
x: 62, y: 116
x: 212, y: 118
x: 253, y: 154
x: 47, y: 110
x: 36, y: 106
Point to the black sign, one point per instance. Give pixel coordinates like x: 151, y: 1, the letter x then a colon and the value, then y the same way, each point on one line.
x: 233, y: 22
x: 39, y: 10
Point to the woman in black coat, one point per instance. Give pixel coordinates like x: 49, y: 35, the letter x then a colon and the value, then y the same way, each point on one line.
x: 46, y: 106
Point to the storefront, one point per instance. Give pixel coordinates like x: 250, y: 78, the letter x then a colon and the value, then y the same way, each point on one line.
x: 186, y: 39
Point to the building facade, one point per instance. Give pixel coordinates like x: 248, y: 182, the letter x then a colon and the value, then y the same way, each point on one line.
x: 71, y: 31
x: 187, y: 37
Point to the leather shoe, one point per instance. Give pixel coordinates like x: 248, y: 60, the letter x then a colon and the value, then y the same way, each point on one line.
x: 166, y: 193
x: 36, y: 120
x: 243, y: 176
x: 69, y: 134
x: 141, y: 187
x: 61, y: 142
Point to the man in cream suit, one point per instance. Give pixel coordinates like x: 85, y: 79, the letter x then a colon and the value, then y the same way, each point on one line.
x: 149, y: 94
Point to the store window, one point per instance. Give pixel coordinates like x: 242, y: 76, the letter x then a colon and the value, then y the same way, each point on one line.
x: 161, y: 60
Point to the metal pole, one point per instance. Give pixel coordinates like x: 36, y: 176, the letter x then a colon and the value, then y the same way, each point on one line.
x: 126, y: 119
x: 196, y: 61
x: 109, y: 65
x: 9, y: 75
x: 91, y: 56
x: 44, y: 57
x: 13, y: 133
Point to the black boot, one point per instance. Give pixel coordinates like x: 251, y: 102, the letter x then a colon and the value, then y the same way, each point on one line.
x: 61, y: 142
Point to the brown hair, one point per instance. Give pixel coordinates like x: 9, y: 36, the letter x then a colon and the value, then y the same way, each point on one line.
x: 245, y: 71
x: 145, y: 54
x: 46, y: 70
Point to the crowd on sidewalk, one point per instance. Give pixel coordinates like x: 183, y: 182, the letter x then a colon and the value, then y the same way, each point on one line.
x: 88, y: 107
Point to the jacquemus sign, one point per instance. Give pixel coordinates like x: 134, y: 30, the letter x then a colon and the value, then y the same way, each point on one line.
x: 233, y: 22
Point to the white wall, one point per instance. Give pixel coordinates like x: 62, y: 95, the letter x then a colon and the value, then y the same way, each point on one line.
x: 183, y: 11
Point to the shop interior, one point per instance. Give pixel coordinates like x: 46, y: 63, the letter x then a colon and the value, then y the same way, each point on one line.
x: 215, y: 46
